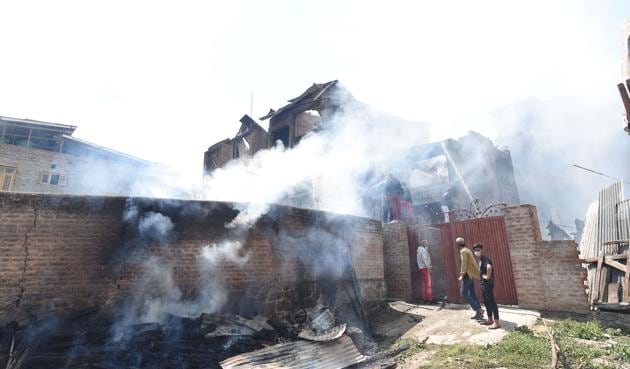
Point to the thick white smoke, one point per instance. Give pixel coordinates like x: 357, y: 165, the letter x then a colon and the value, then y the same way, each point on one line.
x: 359, y: 143
x: 337, y: 165
x: 546, y: 138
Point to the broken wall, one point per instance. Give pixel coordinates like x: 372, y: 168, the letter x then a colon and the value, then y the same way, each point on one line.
x: 547, y: 274
x: 67, y: 252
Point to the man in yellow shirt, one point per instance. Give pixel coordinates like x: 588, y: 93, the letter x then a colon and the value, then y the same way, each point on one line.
x: 468, y: 273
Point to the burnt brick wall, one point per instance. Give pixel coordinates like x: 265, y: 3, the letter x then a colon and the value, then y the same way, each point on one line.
x: 396, y: 256
x: 547, y: 274
x: 55, y: 250
x: 68, y: 252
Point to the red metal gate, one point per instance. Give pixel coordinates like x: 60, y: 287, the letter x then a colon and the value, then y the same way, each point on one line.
x: 492, y: 233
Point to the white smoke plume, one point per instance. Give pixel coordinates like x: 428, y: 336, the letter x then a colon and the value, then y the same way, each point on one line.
x: 358, y: 144
x: 337, y: 164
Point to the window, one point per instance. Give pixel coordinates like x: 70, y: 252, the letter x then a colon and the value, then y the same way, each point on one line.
x: 53, y: 179
x: 7, y: 177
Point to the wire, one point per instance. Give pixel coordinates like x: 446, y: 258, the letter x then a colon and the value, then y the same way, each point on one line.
x: 601, y: 174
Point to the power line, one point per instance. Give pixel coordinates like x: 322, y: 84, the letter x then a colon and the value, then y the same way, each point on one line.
x: 601, y: 174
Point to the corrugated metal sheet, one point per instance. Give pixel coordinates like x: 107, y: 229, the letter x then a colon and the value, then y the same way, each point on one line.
x: 609, y: 197
x: 623, y: 220
x: 336, y: 354
x: 588, y: 246
x: 492, y: 233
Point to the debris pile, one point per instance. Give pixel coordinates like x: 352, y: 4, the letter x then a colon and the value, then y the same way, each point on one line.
x: 92, y: 339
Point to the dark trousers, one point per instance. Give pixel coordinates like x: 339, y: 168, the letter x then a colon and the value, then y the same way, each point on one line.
x: 492, y: 309
x: 467, y: 289
x: 391, y: 209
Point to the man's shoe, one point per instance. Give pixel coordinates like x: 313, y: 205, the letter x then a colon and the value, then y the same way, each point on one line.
x: 478, y: 315
x: 487, y: 322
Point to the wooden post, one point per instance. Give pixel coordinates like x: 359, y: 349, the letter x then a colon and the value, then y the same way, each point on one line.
x: 596, y: 281
x: 603, y: 284
x: 626, y: 279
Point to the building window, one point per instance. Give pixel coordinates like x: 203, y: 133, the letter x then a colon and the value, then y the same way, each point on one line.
x: 7, y: 177
x: 53, y: 179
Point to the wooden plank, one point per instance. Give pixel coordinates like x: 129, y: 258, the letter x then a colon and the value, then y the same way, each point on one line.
x: 603, y: 283
x: 612, y: 257
x: 598, y: 277
x: 616, y: 242
x: 617, y: 256
x: 615, y: 264
x: 589, y: 260
x: 613, y: 293
x: 626, y: 280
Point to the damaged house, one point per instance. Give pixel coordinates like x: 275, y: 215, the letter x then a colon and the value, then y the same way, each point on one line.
x: 133, y: 282
x: 468, y: 173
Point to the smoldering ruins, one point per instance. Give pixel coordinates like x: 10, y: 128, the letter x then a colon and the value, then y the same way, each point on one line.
x: 293, y: 245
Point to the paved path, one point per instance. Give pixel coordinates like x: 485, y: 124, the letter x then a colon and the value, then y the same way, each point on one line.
x: 451, y: 324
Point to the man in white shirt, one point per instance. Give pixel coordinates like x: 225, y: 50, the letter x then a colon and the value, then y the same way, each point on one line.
x: 424, y: 265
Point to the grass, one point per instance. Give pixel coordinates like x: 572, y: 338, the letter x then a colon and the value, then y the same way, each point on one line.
x: 592, y: 330
x: 519, y: 349
x: 621, y: 352
x: 524, y: 349
x: 414, y: 347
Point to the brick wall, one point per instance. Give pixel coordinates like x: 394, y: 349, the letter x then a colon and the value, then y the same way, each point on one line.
x: 563, y: 277
x: 523, y: 236
x: 396, y: 257
x: 548, y: 275
x: 68, y: 251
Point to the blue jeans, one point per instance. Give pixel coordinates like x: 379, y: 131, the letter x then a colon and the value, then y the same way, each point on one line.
x: 468, y: 292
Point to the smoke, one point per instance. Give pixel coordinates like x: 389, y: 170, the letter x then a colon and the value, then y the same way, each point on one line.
x: 337, y: 165
x: 155, y: 295
x: 546, y: 137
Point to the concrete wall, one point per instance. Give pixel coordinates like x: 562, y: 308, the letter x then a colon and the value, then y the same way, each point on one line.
x: 547, y: 274
x: 84, y: 175
x: 68, y: 252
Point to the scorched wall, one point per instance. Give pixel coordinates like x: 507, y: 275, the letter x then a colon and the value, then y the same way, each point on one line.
x: 67, y: 252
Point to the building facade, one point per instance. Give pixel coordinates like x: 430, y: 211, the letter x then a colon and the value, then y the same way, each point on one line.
x: 43, y: 157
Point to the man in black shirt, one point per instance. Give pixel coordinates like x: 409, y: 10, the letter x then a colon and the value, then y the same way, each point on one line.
x: 487, y: 287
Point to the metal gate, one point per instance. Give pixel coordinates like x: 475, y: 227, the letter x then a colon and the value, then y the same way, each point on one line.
x: 492, y: 233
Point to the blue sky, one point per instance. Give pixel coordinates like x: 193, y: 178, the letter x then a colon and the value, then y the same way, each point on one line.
x: 165, y: 80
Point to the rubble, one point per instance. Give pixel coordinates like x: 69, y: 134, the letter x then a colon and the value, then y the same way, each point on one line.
x: 96, y: 339
x: 338, y: 353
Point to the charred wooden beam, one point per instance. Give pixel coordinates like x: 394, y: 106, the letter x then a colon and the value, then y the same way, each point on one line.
x: 626, y: 101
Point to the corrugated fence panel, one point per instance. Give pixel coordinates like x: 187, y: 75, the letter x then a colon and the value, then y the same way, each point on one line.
x: 609, y: 197
x: 451, y: 262
x: 623, y: 220
x: 492, y: 233
x: 589, y: 243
